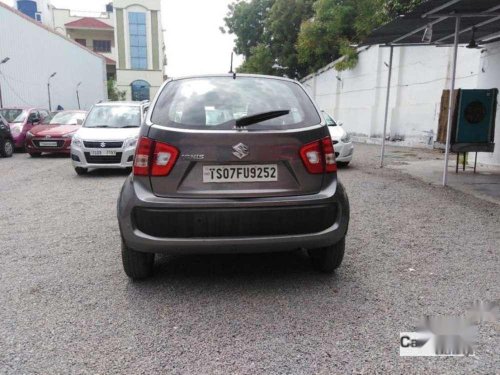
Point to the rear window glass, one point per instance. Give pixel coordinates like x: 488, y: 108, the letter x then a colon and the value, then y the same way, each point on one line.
x: 217, y: 102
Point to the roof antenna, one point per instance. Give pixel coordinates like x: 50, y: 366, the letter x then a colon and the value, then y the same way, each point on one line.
x: 231, y: 70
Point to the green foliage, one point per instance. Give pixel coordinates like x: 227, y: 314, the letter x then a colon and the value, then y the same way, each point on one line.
x: 261, y: 61
x: 320, y: 38
x: 247, y: 21
x: 349, y: 56
x: 283, y: 24
x: 296, y: 37
x: 113, y: 93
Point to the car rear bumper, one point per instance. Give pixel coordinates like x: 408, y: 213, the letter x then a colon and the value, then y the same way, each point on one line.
x: 161, y: 225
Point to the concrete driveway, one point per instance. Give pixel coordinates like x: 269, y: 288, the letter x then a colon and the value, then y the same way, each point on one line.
x: 413, y: 249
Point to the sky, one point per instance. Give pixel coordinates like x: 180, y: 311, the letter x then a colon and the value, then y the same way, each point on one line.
x: 193, y: 41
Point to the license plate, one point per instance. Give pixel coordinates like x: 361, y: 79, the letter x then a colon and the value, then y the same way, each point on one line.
x: 48, y: 144
x: 102, y: 152
x: 240, y: 173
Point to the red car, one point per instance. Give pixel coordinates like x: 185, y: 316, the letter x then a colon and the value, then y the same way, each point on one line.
x: 55, y: 134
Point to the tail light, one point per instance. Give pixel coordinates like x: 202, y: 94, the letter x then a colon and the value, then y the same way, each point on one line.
x: 153, y: 158
x: 319, y: 156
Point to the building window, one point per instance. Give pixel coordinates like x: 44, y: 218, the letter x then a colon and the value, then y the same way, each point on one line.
x: 140, y: 90
x: 102, y: 45
x: 83, y: 42
x: 138, y: 40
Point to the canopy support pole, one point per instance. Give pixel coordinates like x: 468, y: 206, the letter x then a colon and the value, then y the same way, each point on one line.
x: 451, y: 101
x: 386, y: 115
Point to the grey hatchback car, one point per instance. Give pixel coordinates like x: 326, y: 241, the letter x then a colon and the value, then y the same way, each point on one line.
x: 232, y: 163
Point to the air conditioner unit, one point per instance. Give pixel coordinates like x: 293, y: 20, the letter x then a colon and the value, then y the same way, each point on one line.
x: 474, y: 121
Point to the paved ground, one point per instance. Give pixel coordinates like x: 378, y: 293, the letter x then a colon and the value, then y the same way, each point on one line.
x: 67, y: 307
x: 484, y: 184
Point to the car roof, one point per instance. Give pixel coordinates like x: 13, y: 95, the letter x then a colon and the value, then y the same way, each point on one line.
x: 70, y: 110
x: 237, y: 75
x: 126, y: 103
x: 23, y: 108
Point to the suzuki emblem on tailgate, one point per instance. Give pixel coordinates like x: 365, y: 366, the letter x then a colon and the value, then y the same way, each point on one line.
x: 240, y: 150
x: 103, y: 144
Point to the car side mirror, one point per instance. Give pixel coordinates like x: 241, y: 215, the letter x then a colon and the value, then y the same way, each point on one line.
x: 79, y: 122
x: 340, y: 123
x: 33, y: 120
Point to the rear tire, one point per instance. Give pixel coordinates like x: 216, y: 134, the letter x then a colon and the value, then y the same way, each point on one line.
x: 343, y: 163
x: 35, y: 154
x: 6, y: 148
x: 81, y: 171
x: 328, y: 259
x: 137, y: 265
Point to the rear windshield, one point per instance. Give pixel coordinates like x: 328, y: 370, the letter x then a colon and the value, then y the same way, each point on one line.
x: 217, y: 102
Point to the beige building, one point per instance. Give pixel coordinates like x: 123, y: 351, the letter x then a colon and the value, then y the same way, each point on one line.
x: 129, y: 35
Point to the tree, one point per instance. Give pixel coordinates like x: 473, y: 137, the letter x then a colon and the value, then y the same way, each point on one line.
x: 113, y: 93
x: 296, y: 37
x: 271, y: 24
x: 247, y: 21
x: 322, y: 37
x: 261, y: 61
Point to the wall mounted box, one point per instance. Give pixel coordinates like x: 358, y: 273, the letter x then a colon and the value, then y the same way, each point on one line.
x: 474, y: 121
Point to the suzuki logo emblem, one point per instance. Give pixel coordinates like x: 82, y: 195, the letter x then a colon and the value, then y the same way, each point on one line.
x: 240, y: 150
x: 103, y: 144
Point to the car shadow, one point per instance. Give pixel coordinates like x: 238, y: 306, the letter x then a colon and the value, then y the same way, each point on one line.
x: 50, y: 156
x: 92, y: 173
x: 289, y: 267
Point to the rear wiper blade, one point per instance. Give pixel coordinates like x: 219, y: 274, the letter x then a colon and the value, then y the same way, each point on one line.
x: 259, y: 117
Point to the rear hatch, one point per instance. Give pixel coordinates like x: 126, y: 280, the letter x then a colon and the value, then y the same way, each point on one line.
x: 198, y: 122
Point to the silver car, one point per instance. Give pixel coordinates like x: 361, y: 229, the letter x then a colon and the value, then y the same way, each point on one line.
x: 228, y: 164
x: 344, y: 148
x: 108, y: 136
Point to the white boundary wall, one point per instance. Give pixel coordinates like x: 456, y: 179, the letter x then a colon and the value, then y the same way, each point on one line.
x: 357, y: 97
x: 35, y: 53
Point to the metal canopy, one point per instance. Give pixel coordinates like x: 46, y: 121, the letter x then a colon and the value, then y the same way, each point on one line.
x: 439, y: 22
x: 410, y: 28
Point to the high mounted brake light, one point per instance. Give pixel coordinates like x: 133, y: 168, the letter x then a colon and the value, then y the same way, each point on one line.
x: 319, y: 156
x: 153, y: 158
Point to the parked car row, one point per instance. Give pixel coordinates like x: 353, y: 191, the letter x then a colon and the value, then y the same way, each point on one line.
x: 109, y: 137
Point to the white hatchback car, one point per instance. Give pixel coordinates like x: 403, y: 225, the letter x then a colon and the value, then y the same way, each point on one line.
x: 108, y: 137
x: 341, y: 139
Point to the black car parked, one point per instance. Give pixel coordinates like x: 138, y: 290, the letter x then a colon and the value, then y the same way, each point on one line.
x: 6, y: 140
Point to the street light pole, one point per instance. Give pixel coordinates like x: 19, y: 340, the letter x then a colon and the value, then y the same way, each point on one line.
x: 1, y: 99
x: 78, y: 95
x: 48, y: 90
x: 386, y: 113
